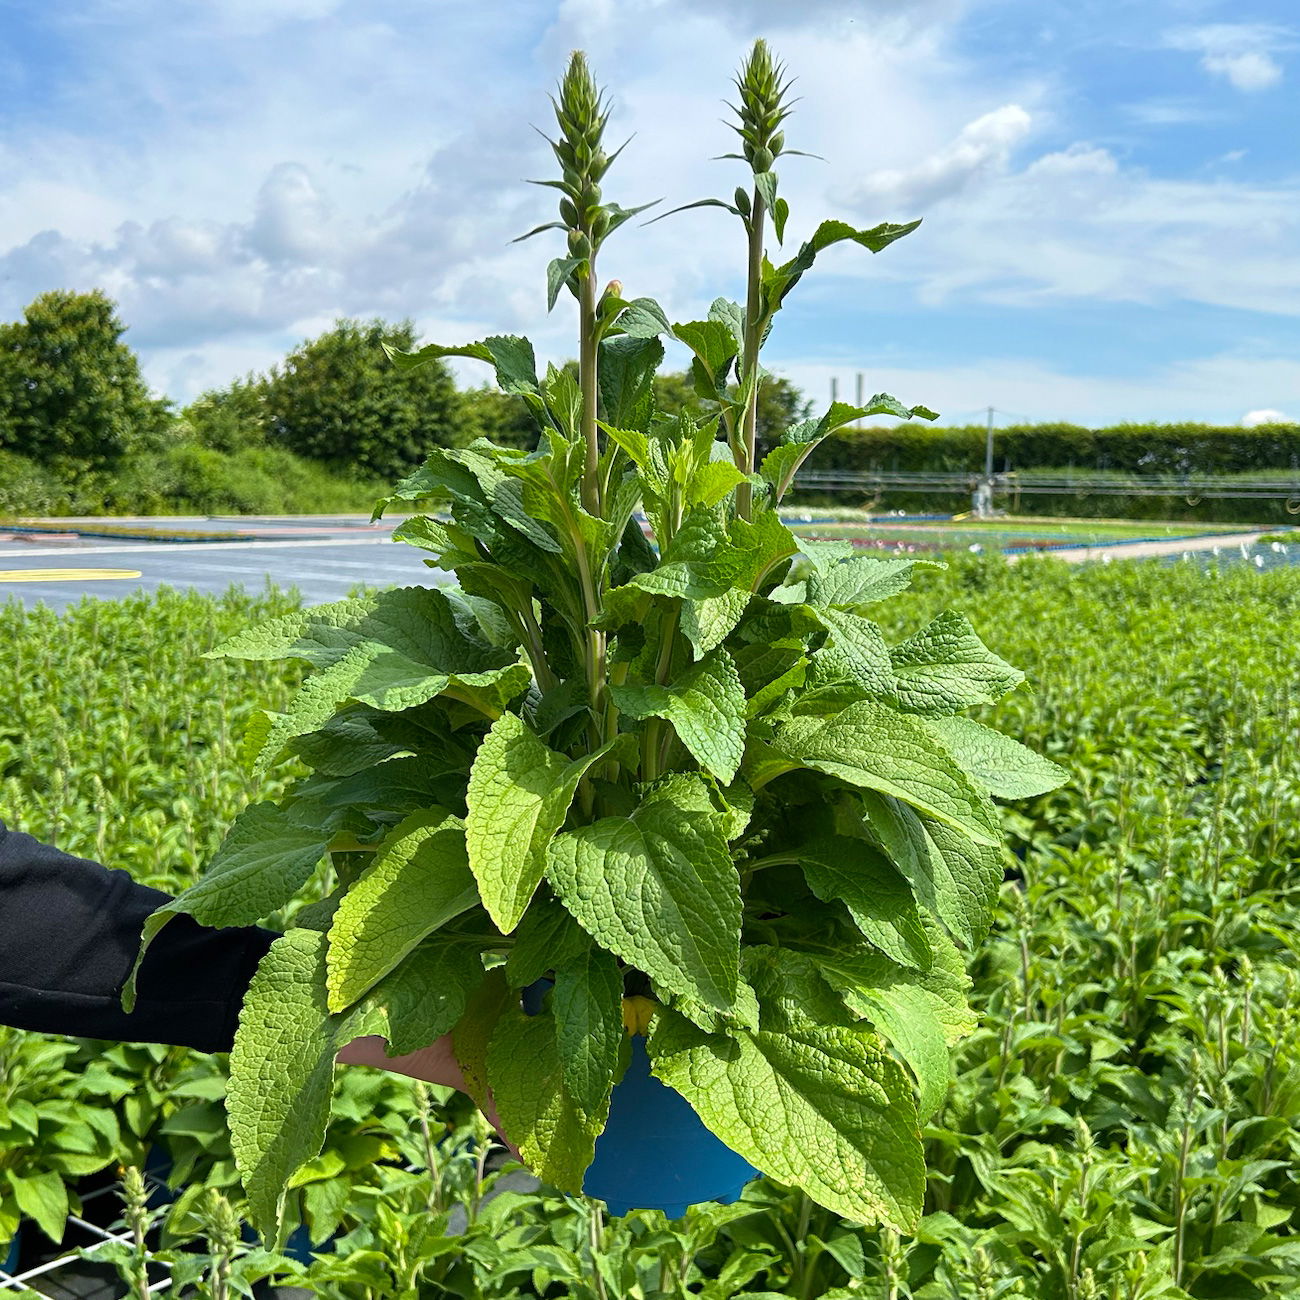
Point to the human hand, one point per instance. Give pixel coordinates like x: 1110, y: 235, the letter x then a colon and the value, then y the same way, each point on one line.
x: 436, y: 1063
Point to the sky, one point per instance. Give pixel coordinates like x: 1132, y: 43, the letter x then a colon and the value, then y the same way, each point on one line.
x: 1110, y: 189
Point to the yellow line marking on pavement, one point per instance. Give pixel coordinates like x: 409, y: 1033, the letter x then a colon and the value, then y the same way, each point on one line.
x: 65, y: 575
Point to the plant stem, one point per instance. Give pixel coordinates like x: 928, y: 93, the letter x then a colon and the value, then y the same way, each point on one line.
x: 591, y: 494
x: 595, y: 1225
x: 753, y: 340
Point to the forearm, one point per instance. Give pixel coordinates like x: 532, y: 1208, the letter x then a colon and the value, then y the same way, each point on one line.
x: 69, y: 932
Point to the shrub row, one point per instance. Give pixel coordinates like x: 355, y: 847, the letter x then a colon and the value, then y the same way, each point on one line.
x: 1176, y: 507
x: 1134, y: 448
x: 185, y: 479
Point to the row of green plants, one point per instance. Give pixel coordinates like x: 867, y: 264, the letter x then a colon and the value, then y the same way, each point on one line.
x: 1173, y: 449
x: 1121, y: 1124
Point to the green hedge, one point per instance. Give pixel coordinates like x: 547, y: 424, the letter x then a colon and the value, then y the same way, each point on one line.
x: 1176, y: 507
x: 1133, y: 448
x: 187, y: 479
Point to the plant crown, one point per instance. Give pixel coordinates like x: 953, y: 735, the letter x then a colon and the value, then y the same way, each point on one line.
x: 691, y: 771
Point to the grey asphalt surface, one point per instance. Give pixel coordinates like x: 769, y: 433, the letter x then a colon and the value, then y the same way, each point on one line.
x: 322, y: 570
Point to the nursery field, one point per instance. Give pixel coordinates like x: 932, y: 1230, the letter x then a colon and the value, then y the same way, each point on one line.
x: 1122, y: 1124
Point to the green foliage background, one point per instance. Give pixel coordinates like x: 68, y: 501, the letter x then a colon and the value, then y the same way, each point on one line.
x: 1123, y: 1123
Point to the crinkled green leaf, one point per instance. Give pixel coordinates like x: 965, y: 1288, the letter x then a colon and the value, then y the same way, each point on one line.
x: 419, y: 880
x: 707, y: 623
x: 778, y: 281
x: 823, y: 1107
x: 840, y: 868
x: 519, y: 795
x: 945, y: 668
x: 957, y: 879
x: 588, y: 1009
x: 399, y: 649
x: 281, y: 1070
x: 1004, y: 767
x: 546, y: 939
x: 706, y: 706
x: 555, y: 1135
x: 861, y: 580
x: 658, y: 888
x: 627, y: 367
x: 264, y: 860
x: 425, y: 995
x: 709, y: 558
x: 644, y: 318
x: 855, y: 652
x: 921, y: 1013
x: 872, y: 747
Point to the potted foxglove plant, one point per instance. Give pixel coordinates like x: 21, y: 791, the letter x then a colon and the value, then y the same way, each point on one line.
x: 685, y: 780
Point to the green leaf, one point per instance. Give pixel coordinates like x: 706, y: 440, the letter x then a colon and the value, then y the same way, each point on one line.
x: 861, y: 580
x: 472, y: 1034
x: 800, y: 440
x: 519, y: 795
x: 823, y: 1107
x: 732, y: 315
x: 945, y: 667
x: 42, y: 1198
x: 588, y: 1008
x: 658, y: 888
x: 281, y: 1070
x: 1004, y: 767
x: 265, y: 859
x: 426, y: 995
x: 555, y: 1135
x: 511, y: 355
x: 957, y: 879
x: 872, y: 747
x: 419, y: 880
x: 839, y: 868
x: 627, y: 368
x: 707, y: 623
x: 643, y: 318
x: 708, y: 558
x: 557, y: 276
x: 398, y: 649
x: 714, y: 347
x: 706, y: 706
x: 778, y: 281
x: 546, y: 939
x: 921, y: 1013
x: 856, y: 652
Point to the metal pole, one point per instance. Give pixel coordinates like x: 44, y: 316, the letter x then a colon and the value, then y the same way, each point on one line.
x: 835, y: 389
x: 988, y: 448
x: 857, y: 424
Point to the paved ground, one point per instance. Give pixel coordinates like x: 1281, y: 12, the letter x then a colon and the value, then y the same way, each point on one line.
x: 322, y: 570
x: 1147, y: 550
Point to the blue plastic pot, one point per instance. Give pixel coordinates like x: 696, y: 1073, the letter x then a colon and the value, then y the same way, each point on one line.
x: 655, y: 1152
x: 9, y: 1259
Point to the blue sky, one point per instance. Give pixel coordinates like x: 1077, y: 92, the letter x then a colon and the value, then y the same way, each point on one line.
x: 1110, y: 188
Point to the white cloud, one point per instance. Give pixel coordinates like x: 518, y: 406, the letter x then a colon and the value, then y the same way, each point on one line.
x: 1241, y: 53
x: 982, y: 147
x: 1253, y: 418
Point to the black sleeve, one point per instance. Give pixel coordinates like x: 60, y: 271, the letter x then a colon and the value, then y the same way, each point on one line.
x: 69, y: 932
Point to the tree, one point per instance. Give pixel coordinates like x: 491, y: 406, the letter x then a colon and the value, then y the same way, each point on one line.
x: 71, y: 392
x: 339, y: 399
x: 780, y: 403
x: 500, y: 417
x: 229, y: 419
